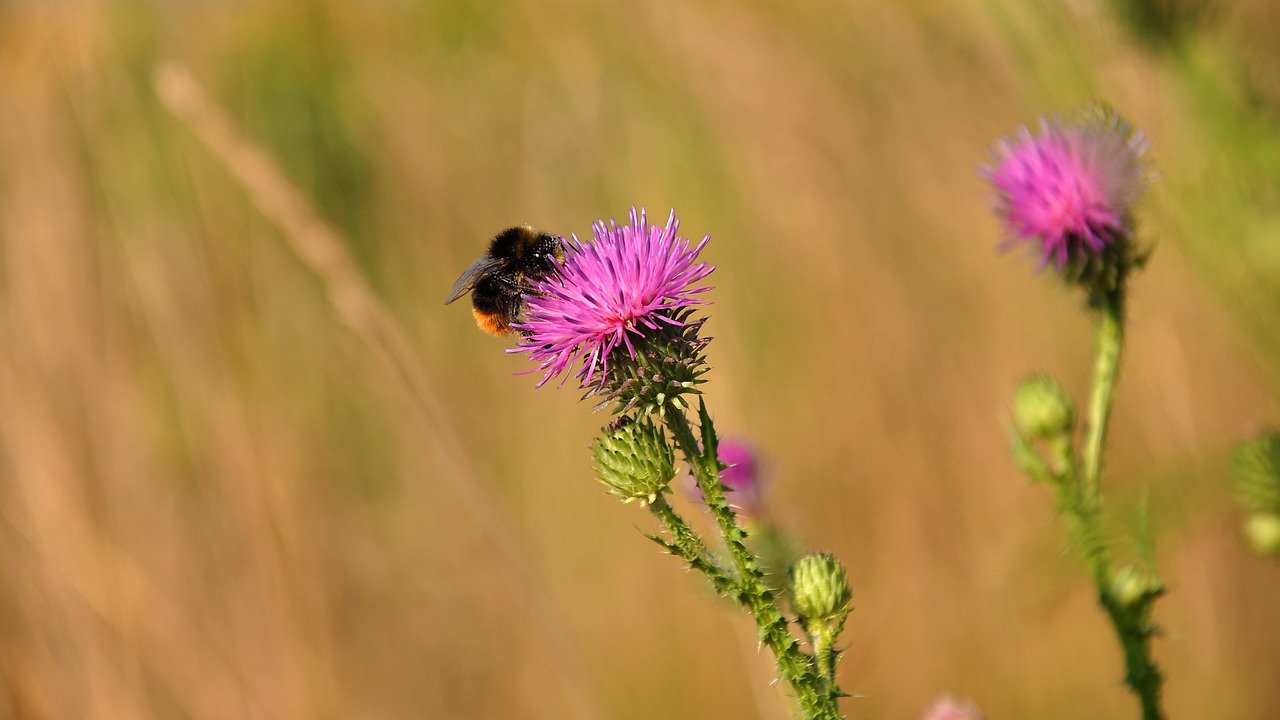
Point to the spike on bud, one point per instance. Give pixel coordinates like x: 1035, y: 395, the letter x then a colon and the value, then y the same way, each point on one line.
x: 820, y: 588
x: 634, y: 460
x: 1043, y: 409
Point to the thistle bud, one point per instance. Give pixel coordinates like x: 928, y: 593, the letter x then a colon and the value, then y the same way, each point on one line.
x: 820, y: 588
x: 1128, y: 587
x: 1255, y: 471
x: 634, y: 460
x: 1043, y: 409
x: 1263, y: 532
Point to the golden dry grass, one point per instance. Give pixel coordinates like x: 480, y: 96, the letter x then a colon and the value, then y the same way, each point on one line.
x: 251, y: 467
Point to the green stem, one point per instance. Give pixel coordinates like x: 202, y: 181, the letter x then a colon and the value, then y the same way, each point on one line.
x: 1106, y: 370
x: 686, y: 545
x: 1132, y: 624
x: 822, y: 638
x: 1142, y: 675
x: 817, y: 699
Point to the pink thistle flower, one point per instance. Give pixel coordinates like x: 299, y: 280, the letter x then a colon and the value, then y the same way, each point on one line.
x: 632, y: 280
x: 742, y: 478
x: 948, y: 708
x: 1069, y: 190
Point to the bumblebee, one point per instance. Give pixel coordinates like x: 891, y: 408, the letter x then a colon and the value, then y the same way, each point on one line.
x: 499, y: 280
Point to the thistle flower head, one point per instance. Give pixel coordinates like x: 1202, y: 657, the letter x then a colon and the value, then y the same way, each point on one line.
x: 1068, y: 190
x: 632, y: 284
x: 949, y: 708
x: 741, y: 478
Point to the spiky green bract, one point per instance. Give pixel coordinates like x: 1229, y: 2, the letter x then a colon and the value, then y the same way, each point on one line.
x: 820, y: 588
x: 1255, y: 471
x: 1043, y: 409
x: 668, y: 366
x: 634, y: 460
x: 1104, y: 275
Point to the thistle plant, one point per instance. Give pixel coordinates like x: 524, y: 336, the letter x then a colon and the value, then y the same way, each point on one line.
x: 619, y: 317
x: 1255, y: 471
x: 1067, y: 193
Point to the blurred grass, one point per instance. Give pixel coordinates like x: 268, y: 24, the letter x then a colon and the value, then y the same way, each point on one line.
x: 215, y: 503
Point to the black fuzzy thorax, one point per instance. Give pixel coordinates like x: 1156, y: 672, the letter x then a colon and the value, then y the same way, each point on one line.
x: 524, y: 253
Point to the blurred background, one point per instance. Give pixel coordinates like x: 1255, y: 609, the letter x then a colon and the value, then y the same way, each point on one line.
x: 250, y: 467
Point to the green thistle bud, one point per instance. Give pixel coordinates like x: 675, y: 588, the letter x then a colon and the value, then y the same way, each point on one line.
x: 1043, y: 409
x: 1128, y: 587
x: 1255, y: 471
x: 1263, y: 531
x: 668, y: 364
x: 634, y: 460
x: 820, y: 588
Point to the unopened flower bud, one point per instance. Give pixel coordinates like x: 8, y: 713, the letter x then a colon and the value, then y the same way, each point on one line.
x: 634, y: 460
x: 1255, y: 471
x: 1128, y: 586
x: 1043, y: 408
x: 1263, y: 531
x: 820, y: 588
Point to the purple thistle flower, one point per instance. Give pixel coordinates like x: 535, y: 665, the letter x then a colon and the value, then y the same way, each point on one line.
x: 631, y: 280
x: 1070, y: 188
x: 742, y: 479
x: 948, y: 708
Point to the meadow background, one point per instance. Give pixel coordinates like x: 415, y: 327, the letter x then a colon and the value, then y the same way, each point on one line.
x: 244, y: 476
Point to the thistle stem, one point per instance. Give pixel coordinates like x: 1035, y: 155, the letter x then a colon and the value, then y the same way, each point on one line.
x: 817, y: 697
x: 686, y: 545
x: 1132, y: 623
x: 1106, y: 371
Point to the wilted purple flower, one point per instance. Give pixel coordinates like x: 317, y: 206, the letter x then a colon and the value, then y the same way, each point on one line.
x: 631, y: 280
x: 741, y: 479
x: 948, y: 708
x: 1069, y: 189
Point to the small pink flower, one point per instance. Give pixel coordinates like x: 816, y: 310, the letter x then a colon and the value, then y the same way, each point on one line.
x: 948, y: 708
x: 632, y: 280
x: 1069, y: 190
x: 744, y: 488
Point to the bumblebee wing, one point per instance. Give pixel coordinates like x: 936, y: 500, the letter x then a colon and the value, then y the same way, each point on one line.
x: 471, y: 276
